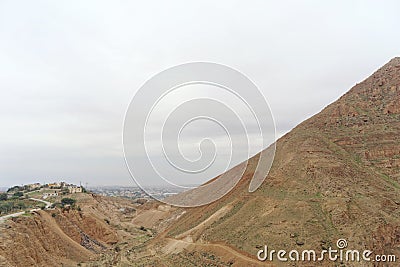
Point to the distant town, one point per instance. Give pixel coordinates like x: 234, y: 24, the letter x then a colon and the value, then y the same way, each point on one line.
x: 24, y: 199
x: 56, y: 189
x: 43, y: 191
x: 135, y: 192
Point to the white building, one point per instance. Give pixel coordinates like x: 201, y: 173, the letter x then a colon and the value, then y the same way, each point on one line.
x: 51, y: 194
x: 74, y: 189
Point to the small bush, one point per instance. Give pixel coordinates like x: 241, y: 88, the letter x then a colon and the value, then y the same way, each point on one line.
x: 18, y: 194
x: 3, y: 197
x: 68, y: 201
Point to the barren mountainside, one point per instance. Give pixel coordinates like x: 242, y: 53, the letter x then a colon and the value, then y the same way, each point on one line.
x: 336, y: 175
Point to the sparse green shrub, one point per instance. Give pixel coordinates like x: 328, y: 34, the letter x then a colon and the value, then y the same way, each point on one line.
x: 68, y: 201
x: 3, y: 196
x: 18, y: 194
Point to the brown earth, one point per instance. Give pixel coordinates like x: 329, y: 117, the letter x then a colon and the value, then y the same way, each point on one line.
x: 66, y: 237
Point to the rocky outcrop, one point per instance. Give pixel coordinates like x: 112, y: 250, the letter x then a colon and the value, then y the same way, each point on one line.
x: 37, y: 240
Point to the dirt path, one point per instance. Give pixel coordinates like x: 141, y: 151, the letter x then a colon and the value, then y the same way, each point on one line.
x: 5, y: 217
x: 48, y: 204
x: 201, y: 226
x: 188, y: 239
x: 184, y: 244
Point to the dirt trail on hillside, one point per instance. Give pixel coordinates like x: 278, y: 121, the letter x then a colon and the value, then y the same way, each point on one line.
x: 187, y: 240
x: 175, y: 245
x: 201, y: 226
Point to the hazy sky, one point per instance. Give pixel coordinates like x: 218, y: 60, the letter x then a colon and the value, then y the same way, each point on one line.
x: 68, y: 69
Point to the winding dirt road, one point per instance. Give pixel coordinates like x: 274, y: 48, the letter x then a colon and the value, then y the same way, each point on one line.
x: 218, y: 246
x: 5, y: 217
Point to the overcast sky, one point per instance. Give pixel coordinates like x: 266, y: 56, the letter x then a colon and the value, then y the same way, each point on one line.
x: 68, y: 69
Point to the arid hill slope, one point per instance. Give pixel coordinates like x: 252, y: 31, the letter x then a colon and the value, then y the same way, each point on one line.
x: 336, y: 175
x: 65, y: 237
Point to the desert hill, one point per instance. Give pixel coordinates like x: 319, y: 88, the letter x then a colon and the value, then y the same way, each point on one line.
x: 336, y: 175
x: 88, y: 235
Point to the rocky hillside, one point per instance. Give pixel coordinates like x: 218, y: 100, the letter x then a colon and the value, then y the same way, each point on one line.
x: 66, y: 237
x: 336, y: 175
